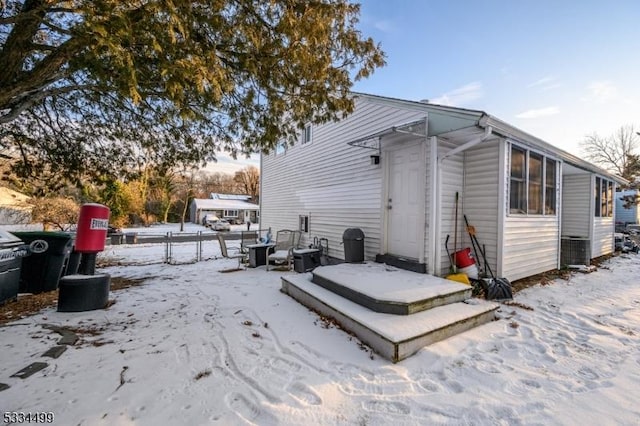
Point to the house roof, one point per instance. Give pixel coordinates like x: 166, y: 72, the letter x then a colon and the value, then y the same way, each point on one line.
x: 9, y: 197
x: 217, y: 204
x: 217, y: 196
x: 443, y: 119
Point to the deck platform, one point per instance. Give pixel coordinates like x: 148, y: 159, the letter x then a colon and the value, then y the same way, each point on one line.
x: 348, y: 291
x: 386, y: 289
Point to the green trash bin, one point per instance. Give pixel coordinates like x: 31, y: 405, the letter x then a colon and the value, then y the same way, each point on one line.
x: 11, y: 254
x: 42, y: 271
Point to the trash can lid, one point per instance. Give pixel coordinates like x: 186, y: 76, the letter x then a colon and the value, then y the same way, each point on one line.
x: 32, y: 235
x: 353, y: 234
x: 8, y: 240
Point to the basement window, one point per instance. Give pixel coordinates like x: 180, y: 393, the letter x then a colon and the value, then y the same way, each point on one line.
x: 532, y: 183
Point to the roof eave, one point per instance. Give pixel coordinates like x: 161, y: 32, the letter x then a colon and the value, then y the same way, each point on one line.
x: 512, y: 132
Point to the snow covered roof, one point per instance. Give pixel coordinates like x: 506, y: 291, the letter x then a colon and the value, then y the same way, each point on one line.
x: 217, y: 196
x: 9, y: 197
x: 217, y: 204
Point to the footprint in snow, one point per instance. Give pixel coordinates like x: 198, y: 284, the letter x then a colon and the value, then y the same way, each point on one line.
x: 304, y: 394
x: 389, y: 407
x: 248, y: 410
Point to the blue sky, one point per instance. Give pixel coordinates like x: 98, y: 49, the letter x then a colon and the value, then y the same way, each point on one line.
x: 557, y: 69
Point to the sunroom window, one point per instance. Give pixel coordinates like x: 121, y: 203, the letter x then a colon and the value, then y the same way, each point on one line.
x: 550, y: 189
x: 532, y: 183
x: 603, y: 198
x: 518, y: 190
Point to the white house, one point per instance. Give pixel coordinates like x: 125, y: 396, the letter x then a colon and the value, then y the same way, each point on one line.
x: 235, y: 208
x: 14, y: 207
x: 625, y: 215
x: 393, y: 167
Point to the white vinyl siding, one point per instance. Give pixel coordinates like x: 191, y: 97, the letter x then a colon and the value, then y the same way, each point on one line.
x: 576, y: 205
x: 530, y: 246
x: 481, y: 197
x: 602, y: 240
x: 530, y: 242
x: 333, y: 183
x: 451, y: 182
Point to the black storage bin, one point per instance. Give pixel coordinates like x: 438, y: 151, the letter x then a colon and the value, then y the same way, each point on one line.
x: 116, y: 239
x: 11, y: 254
x: 353, y: 240
x: 42, y: 271
x: 305, y: 260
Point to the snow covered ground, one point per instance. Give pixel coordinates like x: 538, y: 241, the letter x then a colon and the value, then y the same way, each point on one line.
x: 197, y: 346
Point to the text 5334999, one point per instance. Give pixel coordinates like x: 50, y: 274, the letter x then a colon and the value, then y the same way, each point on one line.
x: 17, y: 417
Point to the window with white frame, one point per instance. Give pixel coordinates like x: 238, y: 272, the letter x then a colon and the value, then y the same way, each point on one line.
x: 231, y: 213
x: 532, y: 183
x: 307, y: 135
x: 604, y: 198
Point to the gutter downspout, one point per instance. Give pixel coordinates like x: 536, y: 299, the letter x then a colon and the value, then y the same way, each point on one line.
x: 436, y: 253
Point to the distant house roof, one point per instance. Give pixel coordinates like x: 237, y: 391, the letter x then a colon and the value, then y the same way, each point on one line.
x: 11, y: 198
x: 242, y: 197
x: 218, y: 204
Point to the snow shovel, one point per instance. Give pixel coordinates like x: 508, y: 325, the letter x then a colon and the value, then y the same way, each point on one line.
x: 496, y: 288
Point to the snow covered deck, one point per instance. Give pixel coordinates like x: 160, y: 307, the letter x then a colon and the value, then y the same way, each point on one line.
x: 427, y: 309
x: 388, y: 289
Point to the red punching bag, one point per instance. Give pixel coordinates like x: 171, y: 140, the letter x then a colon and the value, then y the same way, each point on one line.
x: 93, y: 224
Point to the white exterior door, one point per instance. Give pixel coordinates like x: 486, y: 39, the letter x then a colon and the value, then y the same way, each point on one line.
x: 405, y: 208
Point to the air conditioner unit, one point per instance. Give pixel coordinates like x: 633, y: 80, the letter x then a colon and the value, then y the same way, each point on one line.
x: 575, y: 251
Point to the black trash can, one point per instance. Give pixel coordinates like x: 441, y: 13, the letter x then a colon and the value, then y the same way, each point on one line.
x: 353, y: 240
x: 11, y: 254
x: 305, y: 260
x: 42, y: 271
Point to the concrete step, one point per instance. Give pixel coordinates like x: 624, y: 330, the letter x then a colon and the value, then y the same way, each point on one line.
x: 394, y: 337
x: 387, y: 289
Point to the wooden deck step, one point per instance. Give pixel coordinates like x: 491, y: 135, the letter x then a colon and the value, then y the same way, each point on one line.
x: 386, y: 289
x: 394, y: 337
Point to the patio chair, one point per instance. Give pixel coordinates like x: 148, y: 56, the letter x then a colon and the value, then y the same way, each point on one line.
x: 247, y: 237
x: 225, y: 253
x: 286, y: 241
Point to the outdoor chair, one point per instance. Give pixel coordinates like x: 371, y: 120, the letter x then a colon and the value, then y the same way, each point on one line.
x: 247, y: 238
x: 242, y: 257
x: 286, y: 241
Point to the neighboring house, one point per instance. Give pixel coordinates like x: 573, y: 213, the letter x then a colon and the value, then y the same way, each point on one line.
x: 235, y: 208
x: 393, y: 168
x: 626, y: 215
x: 14, y: 207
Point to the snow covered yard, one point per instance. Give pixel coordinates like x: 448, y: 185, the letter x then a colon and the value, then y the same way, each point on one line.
x: 198, y: 346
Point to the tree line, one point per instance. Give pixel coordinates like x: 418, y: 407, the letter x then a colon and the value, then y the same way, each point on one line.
x: 153, y: 195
